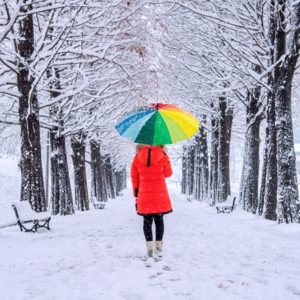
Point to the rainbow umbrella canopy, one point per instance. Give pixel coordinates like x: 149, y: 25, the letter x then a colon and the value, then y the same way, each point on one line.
x: 158, y: 124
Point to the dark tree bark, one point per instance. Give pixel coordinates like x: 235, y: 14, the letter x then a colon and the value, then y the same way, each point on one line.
x: 268, y: 191
x: 124, y: 179
x: 288, y: 196
x: 270, y: 198
x: 214, y: 159
x: 108, y: 169
x: 120, y: 181
x: 197, y: 170
x: 54, y: 169
x: 281, y: 189
x: 184, y: 170
x: 225, y: 125
x: 81, y: 188
x: 118, y: 176
x: 263, y: 177
x: 61, y: 194
x: 98, y: 189
x: 32, y: 187
x: 250, y: 175
x: 201, y: 176
x: 190, y: 172
x: 204, y: 179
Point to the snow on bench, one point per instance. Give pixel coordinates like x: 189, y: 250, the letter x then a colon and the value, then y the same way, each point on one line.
x: 98, y: 204
x: 226, y: 208
x: 24, y: 215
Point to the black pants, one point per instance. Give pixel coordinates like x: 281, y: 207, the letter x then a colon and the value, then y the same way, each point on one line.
x: 159, y: 227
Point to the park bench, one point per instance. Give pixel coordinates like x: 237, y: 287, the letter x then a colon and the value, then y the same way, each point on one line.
x: 25, y: 215
x: 226, y: 208
x: 99, y: 205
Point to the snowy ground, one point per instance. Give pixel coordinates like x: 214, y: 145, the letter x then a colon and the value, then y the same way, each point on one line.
x: 97, y: 255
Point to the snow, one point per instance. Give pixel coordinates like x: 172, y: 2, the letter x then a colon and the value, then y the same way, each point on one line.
x: 97, y: 255
x: 10, y: 184
x: 26, y: 213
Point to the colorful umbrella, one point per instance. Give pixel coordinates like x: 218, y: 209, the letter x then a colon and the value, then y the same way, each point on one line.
x: 158, y: 124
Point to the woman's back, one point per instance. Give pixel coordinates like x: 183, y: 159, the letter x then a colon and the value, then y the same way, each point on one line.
x: 149, y: 168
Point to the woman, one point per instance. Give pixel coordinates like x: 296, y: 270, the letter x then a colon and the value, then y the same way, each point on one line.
x: 149, y: 168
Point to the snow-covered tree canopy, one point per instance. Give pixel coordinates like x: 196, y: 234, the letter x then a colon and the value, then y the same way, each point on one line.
x: 70, y: 69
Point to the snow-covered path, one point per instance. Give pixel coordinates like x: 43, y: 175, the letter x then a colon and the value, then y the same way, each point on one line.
x: 96, y: 255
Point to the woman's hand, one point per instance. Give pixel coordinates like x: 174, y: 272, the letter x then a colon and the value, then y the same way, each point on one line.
x: 136, y: 204
x: 136, y: 192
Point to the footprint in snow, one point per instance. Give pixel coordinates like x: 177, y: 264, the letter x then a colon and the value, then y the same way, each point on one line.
x: 155, y: 275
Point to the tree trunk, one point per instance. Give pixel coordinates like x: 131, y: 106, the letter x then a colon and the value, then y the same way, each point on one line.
x: 124, y: 179
x: 184, y: 170
x: 32, y: 186
x: 281, y: 185
x: 270, y: 199
x: 81, y: 188
x: 120, y: 181
x: 201, y: 176
x: 225, y: 125
x: 61, y: 194
x: 109, y: 176
x: 204, y: 180
x: 250, y: 176
x: 288, y: 197
x: 268, y: 191
x: 263, y: 177
x: 190, y: 172
x: 214, y: 159
x: 98, y: 189
x: 288, y: 204
x: 118, y: 176
x: 197, y: 171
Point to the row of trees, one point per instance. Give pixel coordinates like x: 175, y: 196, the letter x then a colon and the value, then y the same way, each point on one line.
x: 66, y: 70
x: 237, y: 55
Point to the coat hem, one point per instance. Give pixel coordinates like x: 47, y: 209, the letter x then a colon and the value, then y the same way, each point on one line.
x: 154, y: 214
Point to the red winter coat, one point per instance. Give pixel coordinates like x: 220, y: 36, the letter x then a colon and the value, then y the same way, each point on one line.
x: 148, y: 171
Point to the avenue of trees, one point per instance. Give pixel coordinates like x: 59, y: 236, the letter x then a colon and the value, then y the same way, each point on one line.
x: 70, y: 69
x: 241, y: 54
x: 66, y: 70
